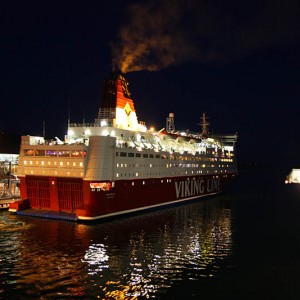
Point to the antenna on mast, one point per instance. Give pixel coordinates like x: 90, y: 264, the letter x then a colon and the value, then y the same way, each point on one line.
x: 44, y: 129
x: 69, y: 113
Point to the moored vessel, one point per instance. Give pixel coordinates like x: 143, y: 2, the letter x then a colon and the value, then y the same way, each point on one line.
x: 293, y: 177
x: 117, y: 165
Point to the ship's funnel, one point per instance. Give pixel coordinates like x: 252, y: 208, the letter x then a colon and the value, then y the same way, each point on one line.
x: 117, y: 107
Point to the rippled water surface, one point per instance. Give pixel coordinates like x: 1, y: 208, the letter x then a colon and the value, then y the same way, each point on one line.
x: 241, y: 245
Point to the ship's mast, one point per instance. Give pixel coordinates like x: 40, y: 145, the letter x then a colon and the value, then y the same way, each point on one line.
x: 204, y: 125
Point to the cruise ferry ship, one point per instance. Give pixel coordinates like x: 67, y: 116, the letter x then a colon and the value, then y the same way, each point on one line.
x: 117, y: 165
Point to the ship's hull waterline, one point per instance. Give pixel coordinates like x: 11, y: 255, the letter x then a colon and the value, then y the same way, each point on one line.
x: 127, y: 196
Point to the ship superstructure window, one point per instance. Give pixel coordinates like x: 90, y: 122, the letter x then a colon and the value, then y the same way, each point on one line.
x: 130, y: 154
x: 28, y: 152
x: 64, y: 153
x: 145, y: 155
x: 39, y: 152
x: 123, y: 154
x: 138, y: 155
x: 78, y: 153
x: 51, y: 153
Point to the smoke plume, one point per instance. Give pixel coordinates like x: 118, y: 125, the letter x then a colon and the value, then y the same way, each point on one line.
x: 160, y: 33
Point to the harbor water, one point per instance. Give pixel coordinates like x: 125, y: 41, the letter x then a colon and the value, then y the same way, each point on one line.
x: 243, y: 244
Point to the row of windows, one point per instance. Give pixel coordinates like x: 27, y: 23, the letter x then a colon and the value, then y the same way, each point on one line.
x: 171, y: 157
x: 55, y: 173
x: 51, y: 152
x: 168, y: 166
x: 137, y: 174
x: 53, y: 163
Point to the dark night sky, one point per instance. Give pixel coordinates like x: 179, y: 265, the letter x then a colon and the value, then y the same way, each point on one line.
x: 236, y: 60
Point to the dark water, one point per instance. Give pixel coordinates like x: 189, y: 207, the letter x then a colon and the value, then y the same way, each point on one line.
x: 244, y: 244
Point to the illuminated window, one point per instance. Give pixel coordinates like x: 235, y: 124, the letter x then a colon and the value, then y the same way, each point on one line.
x: 136, y: 174
x: 51, y: 153
x: 30, y: 162
x: 61, y: 163
x: 28, y: 152
x: 74, y: 164
x: 81, y: 164
x: 39, y: 152
x: 64, y: 153
x: 43, y: 163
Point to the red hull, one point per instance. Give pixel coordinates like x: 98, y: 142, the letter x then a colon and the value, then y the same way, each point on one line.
x: 77, y: 197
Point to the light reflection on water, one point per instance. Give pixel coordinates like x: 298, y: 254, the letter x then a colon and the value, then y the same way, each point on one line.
x: 138, y: 256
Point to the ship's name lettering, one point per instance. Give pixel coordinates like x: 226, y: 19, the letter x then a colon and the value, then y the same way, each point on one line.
x: 188, y: 188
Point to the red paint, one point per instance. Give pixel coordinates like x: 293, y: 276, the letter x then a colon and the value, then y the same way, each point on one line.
x: 75, y: 195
